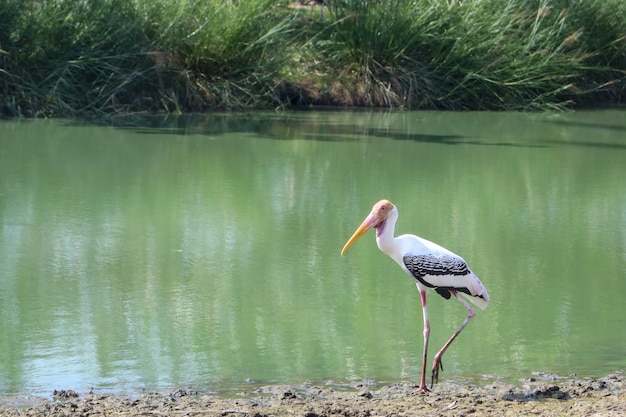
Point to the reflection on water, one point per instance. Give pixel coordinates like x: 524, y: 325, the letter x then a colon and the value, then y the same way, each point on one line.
x: 204, y: 251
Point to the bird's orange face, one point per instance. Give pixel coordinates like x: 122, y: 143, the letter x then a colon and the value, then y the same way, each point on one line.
x: 376, y: 219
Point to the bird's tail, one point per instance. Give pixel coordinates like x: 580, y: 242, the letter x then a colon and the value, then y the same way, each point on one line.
x: 478, y: 293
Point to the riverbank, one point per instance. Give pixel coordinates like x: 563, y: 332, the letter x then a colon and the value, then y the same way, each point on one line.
x: 544, y: 395
x: 97, y: 59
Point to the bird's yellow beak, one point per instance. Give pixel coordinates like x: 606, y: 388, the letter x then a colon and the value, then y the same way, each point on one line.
x: 369, y: 222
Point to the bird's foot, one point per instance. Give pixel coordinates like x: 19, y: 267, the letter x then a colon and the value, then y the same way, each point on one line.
x: 437, y: 366
x: 421, y: 389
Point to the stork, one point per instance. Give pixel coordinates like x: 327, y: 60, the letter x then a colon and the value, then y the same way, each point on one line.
x: 432, y: 266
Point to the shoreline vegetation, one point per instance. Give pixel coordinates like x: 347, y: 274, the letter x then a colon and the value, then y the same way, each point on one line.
x: 81, y: 58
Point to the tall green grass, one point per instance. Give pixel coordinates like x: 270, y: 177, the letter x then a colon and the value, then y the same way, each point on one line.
x: 82, y: 57
x: 229, y: 52
x: 65, y: 57
x: 96, y: 58
x: 480, y: 54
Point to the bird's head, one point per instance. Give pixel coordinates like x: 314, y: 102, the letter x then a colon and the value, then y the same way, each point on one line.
x: 375, y: 219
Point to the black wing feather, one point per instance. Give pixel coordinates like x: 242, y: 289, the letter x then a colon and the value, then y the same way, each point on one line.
x: 421, y: 266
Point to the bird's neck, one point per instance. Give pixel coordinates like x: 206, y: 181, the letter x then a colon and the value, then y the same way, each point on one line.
x: 384, y: 235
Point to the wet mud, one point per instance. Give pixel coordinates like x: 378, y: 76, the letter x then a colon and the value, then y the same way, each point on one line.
x: 543, y: 395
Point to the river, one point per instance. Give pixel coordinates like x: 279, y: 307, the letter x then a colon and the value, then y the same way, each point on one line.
x: 204, y: 251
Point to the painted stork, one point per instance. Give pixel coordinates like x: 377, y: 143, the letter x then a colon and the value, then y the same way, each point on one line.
x: 432, y: 267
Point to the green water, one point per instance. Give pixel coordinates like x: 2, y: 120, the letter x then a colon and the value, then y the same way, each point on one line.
x: 204, y: 252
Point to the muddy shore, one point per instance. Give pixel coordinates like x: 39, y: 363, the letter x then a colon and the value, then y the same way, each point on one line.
x: 544, y: 395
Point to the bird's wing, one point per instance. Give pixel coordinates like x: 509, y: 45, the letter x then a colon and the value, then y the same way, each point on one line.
x: 443, y: 273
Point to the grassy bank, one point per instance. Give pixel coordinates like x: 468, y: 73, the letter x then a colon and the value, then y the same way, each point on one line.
x: 88, y: 58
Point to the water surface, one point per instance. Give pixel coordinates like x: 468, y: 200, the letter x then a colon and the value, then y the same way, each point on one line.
x: 203, y: 252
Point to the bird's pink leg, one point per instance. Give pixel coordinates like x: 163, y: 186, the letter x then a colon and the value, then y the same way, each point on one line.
x: 437, y: 365
x: 422, y: 387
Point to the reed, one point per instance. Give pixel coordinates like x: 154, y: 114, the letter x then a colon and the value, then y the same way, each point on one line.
x: 88, y: 58
x: 81, y: 57
x: 479, y: 54
x: 230, y: 52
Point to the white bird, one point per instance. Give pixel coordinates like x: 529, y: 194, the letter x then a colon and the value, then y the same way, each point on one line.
x: 432, y: 267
